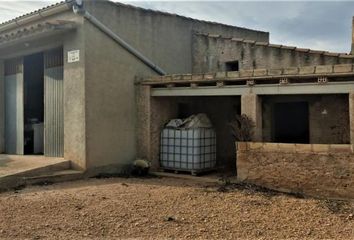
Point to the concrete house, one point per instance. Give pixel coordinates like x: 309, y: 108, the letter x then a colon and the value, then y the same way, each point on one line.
x: 68, y: 74
x: 93, y: 85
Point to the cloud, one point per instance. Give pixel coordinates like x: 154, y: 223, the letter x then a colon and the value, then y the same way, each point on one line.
x: 10, y: 9
x: 317, y: 25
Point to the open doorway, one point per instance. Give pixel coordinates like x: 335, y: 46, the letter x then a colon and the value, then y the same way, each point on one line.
x: 291, y: 122
x: 33, y: 76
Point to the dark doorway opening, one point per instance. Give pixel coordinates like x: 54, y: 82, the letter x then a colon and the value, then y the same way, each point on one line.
x: 33, y: 103
x: 291, y: 122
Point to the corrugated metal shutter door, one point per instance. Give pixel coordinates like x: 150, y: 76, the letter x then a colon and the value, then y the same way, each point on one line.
x: 54, y: 104
x: 14, y: 123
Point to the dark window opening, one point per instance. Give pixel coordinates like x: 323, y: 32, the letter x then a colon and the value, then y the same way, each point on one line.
x: 291, y: 122
x: 232, y: 66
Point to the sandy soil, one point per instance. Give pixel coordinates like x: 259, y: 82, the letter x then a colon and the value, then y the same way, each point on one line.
x: 167, y: 208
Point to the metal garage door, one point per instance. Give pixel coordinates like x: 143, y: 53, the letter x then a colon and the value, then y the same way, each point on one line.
x: 14, y: 122
x: 54, y: 103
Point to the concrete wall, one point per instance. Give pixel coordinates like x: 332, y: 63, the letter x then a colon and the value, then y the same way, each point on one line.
x: 329, y: 128
x: 310, y: 169
x: 75, y: 140
x: 211, y: 53
x: 110, y: 73
x: 164, y: 38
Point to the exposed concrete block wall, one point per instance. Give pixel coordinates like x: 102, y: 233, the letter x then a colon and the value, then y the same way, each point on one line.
x: 211, y: 53
x: 164, y: 38
x: 251, y: 105
x: 310, y: 169
x: 328, y: 117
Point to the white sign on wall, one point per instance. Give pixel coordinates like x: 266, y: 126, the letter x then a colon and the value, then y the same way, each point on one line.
x: 73, y: 56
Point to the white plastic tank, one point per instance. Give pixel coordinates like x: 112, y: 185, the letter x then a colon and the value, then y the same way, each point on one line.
x: 188, y: 149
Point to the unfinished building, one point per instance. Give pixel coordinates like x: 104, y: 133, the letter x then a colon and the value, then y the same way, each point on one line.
x: 300, y: 100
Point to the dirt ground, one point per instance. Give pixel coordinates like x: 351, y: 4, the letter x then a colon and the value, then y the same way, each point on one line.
x: 167, y: 208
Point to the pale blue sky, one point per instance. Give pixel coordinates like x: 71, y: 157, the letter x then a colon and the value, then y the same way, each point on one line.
x: 318, y: 25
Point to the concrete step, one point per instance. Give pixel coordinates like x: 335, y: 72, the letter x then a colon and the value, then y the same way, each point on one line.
x: 54, y: 177
x: 54, y: 169
x: 50, y: 167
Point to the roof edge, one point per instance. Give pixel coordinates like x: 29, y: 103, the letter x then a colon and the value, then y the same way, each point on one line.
x: 266, y: 44
x: 181, y: 16
x: 33, y: 16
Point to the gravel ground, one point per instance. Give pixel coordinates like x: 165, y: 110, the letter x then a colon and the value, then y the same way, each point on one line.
x: 167, y: 208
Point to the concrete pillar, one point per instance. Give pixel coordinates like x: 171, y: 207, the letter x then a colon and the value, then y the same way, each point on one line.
x: 351, y: 116
x: 75, y: 118
x: 251, y: 105
x: 143, y: 100
x: 2, y: 108
x: 152, y: 114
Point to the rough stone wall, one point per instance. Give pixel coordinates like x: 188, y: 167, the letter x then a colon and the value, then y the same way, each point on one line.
x: 315, y: 170
x: 329, y: 128
x: 211, y: 53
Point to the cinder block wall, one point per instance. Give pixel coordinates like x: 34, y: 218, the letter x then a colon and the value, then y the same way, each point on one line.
x: 330, y: 128
x: 310, y: 169
x: 211, y: 53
